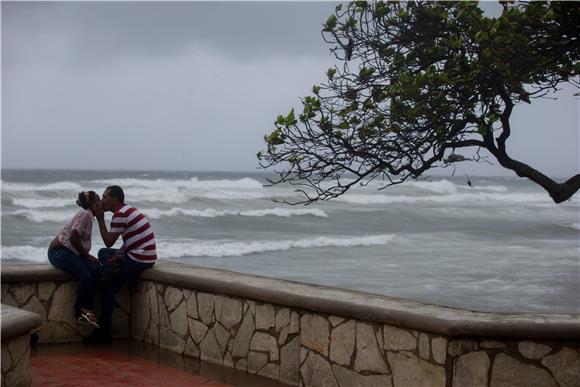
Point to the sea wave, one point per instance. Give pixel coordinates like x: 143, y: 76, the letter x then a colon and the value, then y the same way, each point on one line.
x: 30, y: 187
x: 42, y: 216
x: 193, y: 183
x: 43, y: 203
x: 205, y: 248
x: 451, y: 198
x: 155, y: 213
x: 236, y: 249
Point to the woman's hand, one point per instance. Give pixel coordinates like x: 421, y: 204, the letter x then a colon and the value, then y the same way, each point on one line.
x: 92, y: 258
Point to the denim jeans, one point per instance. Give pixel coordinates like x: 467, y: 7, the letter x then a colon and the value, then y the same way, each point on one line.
x: 128, y: 270
x: 87, y: 272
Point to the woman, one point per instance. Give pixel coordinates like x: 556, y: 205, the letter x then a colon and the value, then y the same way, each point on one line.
x: 69, y: 251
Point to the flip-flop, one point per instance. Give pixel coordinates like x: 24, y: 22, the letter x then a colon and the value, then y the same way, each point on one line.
x: 88, y: 318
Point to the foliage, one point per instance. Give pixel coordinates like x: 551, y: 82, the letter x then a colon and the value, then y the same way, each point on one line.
x: 418, y: 81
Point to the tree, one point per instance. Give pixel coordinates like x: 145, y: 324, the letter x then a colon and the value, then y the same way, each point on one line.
x: 420, y: 81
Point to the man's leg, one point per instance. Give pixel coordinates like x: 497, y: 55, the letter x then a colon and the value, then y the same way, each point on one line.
x: 128, y: 270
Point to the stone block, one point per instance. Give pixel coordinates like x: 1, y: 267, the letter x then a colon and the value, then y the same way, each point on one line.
x: 316, y: 371
x: 460, y: 347
x: 45, y: 290
x: 294, y: 326
x: 335, y: 320
x: 22, y: 292
x: 315, y: 333
x: 192, y: 306
x: 368, y: 355
x: 396, y: 339
x: 222, y: 336
x: 140, y: 315
x: 282, y: 319
x: 349, y: 378
x: 424, y: 350
x: 178, y: 319
x: 410, y: 370
x: 172, y: 297
x: 228, y: 311
x: 210, y: 350
x: 205, y: 305
x: 533, y: 350
x: 439, y: 349
x: 507, y: 371
x: 471, y: 370
x: 271, y: 371
x: 34, y: 305
x: 62, y: 307
x: 256, y: 361
x: 197, y: 330
x: 169, y: 340
x: 263, y: 342
x: 565, y: 366
x: 190, y: 348
x: 243, y: 337
x: 290, y: 362
x: 342, y: 342
x: 265, y: 317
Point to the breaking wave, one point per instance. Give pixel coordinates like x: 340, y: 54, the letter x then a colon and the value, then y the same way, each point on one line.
x: 155, y: 213
x: 205, y: 248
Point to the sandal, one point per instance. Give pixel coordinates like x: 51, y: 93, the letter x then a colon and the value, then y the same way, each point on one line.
x: 88, y: 318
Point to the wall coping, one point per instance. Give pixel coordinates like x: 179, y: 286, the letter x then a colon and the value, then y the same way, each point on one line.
x: 16, y: 322
x: 342, y: 302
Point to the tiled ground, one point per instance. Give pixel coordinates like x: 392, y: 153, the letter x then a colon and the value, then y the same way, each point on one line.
x: 128, y: 363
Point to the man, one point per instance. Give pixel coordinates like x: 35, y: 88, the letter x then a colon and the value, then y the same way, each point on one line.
x: 120, y: 266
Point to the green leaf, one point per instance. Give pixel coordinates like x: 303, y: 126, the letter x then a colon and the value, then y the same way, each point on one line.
x: 330, y: 23
x: 330, y: 73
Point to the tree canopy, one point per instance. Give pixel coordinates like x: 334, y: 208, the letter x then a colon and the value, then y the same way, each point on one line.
x: 417, y: 82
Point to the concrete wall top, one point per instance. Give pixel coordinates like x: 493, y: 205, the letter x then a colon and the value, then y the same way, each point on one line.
x: 16, y: 322
x: 371, y: 307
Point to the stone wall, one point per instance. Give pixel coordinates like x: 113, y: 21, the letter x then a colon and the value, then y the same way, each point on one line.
x: 16, y: 326
x: 318, y: 336
x: 51, y: 294
x: 304, y: 348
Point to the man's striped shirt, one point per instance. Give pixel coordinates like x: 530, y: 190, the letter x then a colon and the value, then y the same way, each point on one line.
x: 138, y: 237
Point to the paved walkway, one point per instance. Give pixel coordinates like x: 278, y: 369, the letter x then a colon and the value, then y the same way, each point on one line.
x: 128, y: 363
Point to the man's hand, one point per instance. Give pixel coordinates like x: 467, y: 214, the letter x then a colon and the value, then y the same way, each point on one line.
x: 98, y: 210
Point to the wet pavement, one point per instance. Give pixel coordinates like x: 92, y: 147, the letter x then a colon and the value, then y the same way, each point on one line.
x: 130, y: 363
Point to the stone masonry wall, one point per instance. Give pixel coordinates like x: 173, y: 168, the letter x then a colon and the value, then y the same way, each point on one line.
x: 315, y: 336
x: 16, y: 362
x: 54, y: 301
x: 303, y: 348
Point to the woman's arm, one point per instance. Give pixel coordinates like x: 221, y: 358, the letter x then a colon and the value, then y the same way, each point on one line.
x: 75, y: 240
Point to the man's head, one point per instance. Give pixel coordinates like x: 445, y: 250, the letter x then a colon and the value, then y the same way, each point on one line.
x: 113, y: 197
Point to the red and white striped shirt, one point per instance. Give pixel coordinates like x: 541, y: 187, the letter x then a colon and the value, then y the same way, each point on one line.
x: 138, y: 237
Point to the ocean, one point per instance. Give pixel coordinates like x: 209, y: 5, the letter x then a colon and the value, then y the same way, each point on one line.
x: 501, y: 245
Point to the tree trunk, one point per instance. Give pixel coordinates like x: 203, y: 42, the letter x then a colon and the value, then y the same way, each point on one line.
x: 559, y: 192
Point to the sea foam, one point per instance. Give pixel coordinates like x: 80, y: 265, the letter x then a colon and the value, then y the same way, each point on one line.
x: 155, y: 213
x: 238, y: 248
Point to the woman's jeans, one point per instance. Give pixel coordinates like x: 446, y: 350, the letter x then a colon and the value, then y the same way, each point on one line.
x: 128, y: 270
x: 87, y: 272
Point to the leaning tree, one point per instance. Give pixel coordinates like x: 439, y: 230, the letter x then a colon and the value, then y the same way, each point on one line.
x: 418, y: 82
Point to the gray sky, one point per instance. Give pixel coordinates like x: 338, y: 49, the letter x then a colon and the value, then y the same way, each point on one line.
x: 188, y: 86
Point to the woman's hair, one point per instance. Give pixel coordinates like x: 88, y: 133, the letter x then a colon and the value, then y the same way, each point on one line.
x: 85, y: 203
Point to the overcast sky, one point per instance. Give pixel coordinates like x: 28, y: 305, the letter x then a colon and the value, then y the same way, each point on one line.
x: 188, y: 86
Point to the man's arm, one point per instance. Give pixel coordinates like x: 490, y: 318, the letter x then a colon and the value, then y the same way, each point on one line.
x: 109, y: 238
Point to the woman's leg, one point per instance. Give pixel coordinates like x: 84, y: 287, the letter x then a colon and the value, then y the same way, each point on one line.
x: 86, y: 272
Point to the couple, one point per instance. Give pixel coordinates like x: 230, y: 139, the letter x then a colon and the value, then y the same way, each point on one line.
x: 69, y: 251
